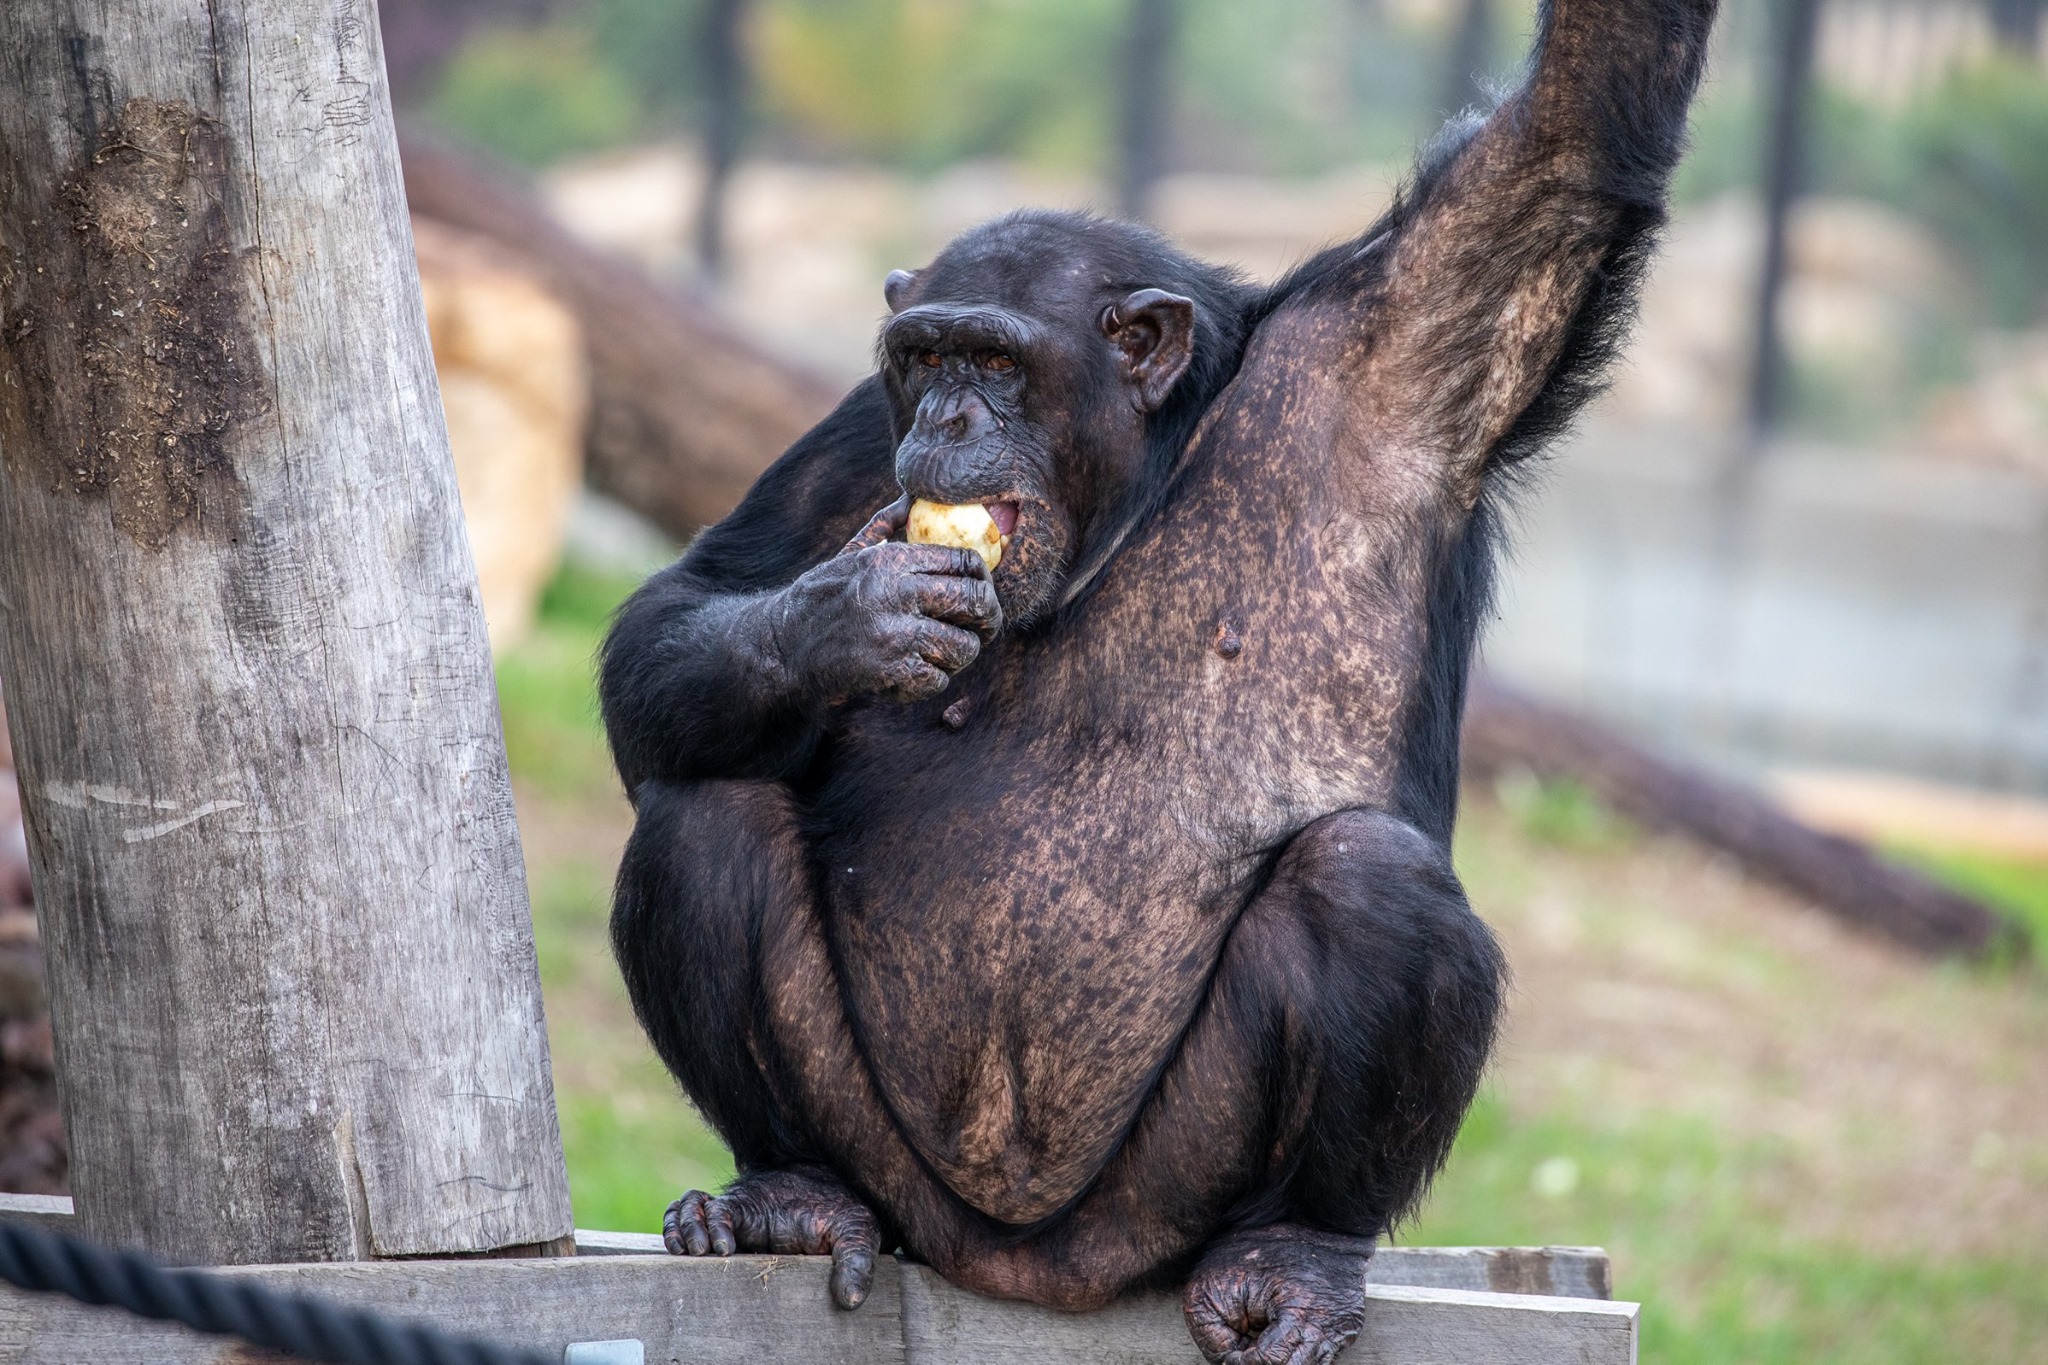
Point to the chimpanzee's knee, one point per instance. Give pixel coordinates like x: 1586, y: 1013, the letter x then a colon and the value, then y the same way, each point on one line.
x: 1402, y: 996
x: 705, y: 861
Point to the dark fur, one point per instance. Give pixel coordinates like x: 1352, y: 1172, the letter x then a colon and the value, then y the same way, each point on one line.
x: 1127, y: 946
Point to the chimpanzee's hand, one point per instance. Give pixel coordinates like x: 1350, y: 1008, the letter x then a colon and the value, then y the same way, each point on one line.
x: 885, y: 618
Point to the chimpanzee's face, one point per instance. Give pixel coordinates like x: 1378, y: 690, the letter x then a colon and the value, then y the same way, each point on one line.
x: 1025, y: 386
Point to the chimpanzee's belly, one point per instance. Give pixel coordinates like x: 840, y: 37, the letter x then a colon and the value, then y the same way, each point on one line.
x: 1020, y: 952
x: 1026, y: 910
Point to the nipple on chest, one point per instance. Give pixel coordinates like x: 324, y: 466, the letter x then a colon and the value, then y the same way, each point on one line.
x: 1228, y: 641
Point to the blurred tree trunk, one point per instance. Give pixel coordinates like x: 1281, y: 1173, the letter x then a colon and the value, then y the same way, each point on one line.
x: 1784, y: 170
x: 721, y: 54
x: 685, y: 414
x: 1145, y: 119
x: 1471, y: 45
x: 421, y: 35
x: 2016, y: 24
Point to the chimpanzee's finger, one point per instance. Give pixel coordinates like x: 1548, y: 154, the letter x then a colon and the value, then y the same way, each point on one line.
x: 944, y: 646
x: 969, y: 603
x: 915, y: 680
x: 881, y: 526
x: 897, y: 557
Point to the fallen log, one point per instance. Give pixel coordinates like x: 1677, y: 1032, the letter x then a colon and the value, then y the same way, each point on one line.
x: 1506, y: 728
x: 685, y: 413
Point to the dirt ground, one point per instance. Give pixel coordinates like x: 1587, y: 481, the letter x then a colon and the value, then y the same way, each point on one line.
x: 1910, y: 1100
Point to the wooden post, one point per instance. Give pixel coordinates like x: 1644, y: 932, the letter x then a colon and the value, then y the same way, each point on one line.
x: 290, y: 958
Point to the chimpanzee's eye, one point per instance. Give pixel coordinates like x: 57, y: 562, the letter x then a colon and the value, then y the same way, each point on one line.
x: 997, y: 363
x: 929, y: 359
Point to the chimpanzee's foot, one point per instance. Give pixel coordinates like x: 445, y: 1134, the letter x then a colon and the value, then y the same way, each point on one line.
x: 1279, y: 1295
x: 790, y: 1213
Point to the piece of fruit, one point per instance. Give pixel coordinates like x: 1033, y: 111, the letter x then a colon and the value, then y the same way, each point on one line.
x: 965, y: 527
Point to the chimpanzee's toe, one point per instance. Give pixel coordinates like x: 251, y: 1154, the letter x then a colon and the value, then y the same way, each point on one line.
x: 788, y: 1213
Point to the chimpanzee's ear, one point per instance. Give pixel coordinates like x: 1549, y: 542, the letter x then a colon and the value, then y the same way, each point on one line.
x: 1154, y: 331
x: 896, y: 289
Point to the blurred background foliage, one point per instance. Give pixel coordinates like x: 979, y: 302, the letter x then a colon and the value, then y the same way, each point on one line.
x: 920, y: 84
x: 1284, y: 87
x: 1968, y: 159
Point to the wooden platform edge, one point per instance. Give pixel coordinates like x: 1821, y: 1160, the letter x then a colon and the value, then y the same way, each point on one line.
x: 1562, y: 1272
x: 762, y: 1310
x: 765, y: 1310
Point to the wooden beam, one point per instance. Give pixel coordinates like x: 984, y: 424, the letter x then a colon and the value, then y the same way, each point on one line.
x: 1566, y: 1272
x: 53, y: 1212
x: 1563, y: 1272
x: 290, y: 960
x: 765, y: 1310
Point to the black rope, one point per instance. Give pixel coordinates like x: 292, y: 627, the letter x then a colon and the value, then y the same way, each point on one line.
x: 294, y: 1324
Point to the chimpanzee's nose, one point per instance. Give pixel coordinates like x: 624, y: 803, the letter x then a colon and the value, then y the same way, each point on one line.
x: 956, y: 417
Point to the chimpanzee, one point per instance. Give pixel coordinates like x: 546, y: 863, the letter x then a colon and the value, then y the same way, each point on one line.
x: 1090, y: 923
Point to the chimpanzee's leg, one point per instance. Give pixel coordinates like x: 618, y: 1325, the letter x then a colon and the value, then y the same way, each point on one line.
x: 1376, y: 989
x: 708, y: 865
x: 1313, y: 1095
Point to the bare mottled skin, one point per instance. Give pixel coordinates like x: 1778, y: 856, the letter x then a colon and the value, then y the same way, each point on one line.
x: 1088, y: 916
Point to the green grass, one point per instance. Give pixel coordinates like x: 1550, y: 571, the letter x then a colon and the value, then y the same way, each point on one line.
x: 2018, y: 886
x: 1689, y: 1216
x: 547, y: 690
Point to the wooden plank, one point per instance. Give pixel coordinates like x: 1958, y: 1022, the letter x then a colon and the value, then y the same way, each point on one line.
x: 291, y: 965
x: 764, y: 1310
x: 743, y: 1311
x: 1404, y: 1324
x: 1565, y: 1272
x: 51, y: 1211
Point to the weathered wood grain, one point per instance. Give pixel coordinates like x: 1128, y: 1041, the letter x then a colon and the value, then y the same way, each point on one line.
x: 764, y: 1310
x: 1404, y: 1325
x: 1567, y: 1272
x: 292, y: 970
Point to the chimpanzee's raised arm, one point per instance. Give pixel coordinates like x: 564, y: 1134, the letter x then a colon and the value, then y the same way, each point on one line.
x: 1491, y: 294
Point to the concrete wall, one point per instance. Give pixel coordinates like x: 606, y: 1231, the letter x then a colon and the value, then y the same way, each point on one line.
x: 1850, y: 610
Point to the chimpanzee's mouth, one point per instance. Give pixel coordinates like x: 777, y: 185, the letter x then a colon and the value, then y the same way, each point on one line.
x: 1004, y: 515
